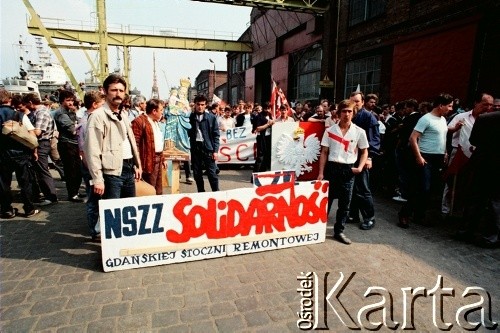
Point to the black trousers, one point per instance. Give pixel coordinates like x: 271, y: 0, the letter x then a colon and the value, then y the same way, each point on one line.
x: 21, y: 165
x: 201, y: 159
x: 70, y: 156
x: 263, y: 159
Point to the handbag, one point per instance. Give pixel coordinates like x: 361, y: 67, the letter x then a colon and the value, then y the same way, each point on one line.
x: 143, y: 189
x: 17, y: 131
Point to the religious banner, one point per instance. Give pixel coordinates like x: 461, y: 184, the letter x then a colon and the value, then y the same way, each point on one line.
x: 237, y: 146
x: 297, y: 146
x: 165, y: 229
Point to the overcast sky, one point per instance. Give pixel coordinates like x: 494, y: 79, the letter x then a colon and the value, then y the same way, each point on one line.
x: 144, y: 15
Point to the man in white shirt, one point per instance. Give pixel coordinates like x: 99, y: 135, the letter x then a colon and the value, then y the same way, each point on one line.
x: 341, y: 144
x: 226, y: 121
x: 149, y: 141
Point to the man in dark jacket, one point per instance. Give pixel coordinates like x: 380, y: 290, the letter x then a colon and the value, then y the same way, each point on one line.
x: 204, y: 138
x: 362, y: 200
x: 14, y: 157
x: 67, y: 146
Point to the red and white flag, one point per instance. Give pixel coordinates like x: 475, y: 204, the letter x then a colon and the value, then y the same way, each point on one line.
x: 278, y: 98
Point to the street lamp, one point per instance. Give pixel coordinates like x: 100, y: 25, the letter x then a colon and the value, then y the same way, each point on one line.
x: 213, y: 91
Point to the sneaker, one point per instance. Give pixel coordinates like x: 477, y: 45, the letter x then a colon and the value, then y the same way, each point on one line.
x: 189, y: 180
x: 75, y: 199
x: 367, y: 225
x: 399, y: 198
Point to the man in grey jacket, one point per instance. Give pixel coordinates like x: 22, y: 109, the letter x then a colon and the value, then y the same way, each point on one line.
x: 67, y: 146
x: 110, y: 147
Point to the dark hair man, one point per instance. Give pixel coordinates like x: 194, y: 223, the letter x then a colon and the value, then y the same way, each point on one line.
x: 110, y: 147
x: 428, y: 143
x: 150, y: 141
x: 14, y: 157
x: 204, y: 138
x: 67, y: 146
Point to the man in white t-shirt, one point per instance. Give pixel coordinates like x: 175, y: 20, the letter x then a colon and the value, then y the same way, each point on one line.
x: 341, y: 144
x: 226, y: 121
x: 428, y: 144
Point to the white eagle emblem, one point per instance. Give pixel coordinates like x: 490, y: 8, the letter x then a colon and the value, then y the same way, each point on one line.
x: 295, y: 153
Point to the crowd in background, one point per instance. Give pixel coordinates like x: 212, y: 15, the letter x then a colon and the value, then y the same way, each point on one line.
x: 406, y: 161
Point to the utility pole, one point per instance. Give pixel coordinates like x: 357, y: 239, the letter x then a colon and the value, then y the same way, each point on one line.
x: 213, y: 89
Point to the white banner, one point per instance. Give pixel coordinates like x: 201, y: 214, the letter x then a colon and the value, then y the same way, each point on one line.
x: 237, y: 146
x: 159, y: 230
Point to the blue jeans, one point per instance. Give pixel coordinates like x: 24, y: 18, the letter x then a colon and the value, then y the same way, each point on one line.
x: 341, y: 181
x: 92, y: 205
x: 362, y: 200
x: 122, y: 186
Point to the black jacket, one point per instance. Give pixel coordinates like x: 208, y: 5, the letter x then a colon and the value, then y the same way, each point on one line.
x: 209, y: 130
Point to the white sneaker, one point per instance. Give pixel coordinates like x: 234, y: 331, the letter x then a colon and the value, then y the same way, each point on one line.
x: 399, y: 198
x: 189, y: 180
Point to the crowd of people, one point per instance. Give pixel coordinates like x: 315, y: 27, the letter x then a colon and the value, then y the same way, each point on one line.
x: 408, y: 149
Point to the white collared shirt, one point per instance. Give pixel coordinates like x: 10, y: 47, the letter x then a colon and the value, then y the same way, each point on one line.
x: 344, y: 148
x: 158, y: 137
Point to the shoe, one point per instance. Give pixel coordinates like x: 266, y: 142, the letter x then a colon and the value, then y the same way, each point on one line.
x: 33, y: 212
x: 75, y: 199
x: 342, y: 238
x: 403, y: 222
x: 189, y: 180
x: 82, y: 195
x: 399, y: 198
x: 367, y: 225
x: 46, y: 202
x: 9, y: 215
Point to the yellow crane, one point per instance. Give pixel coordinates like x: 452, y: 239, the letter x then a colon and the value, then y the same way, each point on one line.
x: 103, y: 38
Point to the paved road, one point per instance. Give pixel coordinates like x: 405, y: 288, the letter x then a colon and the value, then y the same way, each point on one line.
x: 52, y: 278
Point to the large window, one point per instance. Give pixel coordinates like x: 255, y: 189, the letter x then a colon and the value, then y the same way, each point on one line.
x: 306, y: 74
x: 245, y: 61
x: 362, y: 10
x: 234, y: 65
x: 234, y: 95
x: 365, y: 72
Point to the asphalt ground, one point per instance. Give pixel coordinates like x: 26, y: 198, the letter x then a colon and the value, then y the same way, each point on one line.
x: 51, y: 279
